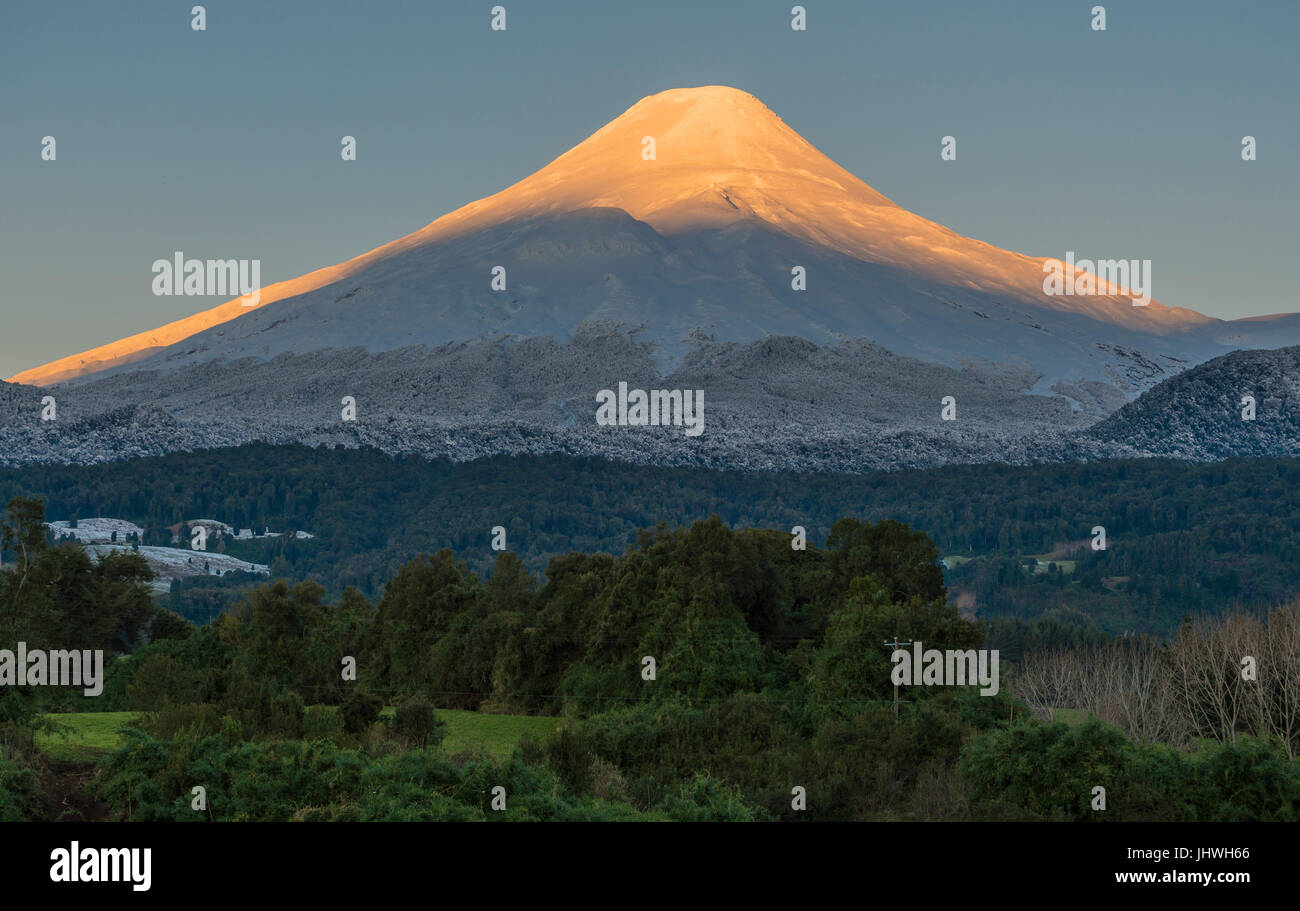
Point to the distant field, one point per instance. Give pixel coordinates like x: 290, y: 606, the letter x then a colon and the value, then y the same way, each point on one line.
x: 83, y: 735
x: 80, y: 735
x: 1064, y: 566
x: 498, y: 734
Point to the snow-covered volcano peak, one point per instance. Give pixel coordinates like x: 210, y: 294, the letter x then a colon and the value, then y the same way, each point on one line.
x: 685, y: 159
x: 714, y: 132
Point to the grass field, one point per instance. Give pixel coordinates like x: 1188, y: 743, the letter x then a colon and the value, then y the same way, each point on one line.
x: 1066, y: 567
x: 498, y: 734
x: 79, y: 735
x: 83, y: 735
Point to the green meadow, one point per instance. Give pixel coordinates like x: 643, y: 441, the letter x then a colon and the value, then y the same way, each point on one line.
x: 83, y: 735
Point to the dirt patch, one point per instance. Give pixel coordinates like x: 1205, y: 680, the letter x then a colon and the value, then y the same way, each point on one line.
x: 65, y: 785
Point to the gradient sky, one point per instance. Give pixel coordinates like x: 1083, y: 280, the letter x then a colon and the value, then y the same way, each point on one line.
x: 225, y: 143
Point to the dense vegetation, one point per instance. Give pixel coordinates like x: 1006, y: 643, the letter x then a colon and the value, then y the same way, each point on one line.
x: 770, y: 674
x: 1182, y: 538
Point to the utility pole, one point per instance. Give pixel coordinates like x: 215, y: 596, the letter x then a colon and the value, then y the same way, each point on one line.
x: 894, y: 646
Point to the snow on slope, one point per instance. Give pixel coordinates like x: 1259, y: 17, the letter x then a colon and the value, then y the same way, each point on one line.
x: 722, y: 160
x: 97, y: 530
x: 174, y: 563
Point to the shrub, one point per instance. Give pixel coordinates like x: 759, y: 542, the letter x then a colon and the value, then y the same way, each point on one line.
x: 321, y: 722
x: 360, y: 709
x: 20, y: 792
x: 161, y: 680
x: 186, y: 719
x: 415, y: 720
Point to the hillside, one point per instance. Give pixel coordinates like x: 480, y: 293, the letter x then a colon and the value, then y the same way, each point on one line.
x: 1199, y: 414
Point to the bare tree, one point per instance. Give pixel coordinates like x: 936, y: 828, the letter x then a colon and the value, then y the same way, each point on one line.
x: 1205, y: 664
x: 1276, y: 707
x: 1047, y: 682
x: 1193, y: 687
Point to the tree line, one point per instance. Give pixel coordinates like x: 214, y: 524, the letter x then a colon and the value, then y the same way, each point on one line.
x: 1184, y: 538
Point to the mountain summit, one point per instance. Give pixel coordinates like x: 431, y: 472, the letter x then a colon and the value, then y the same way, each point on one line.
x: 719, y: 155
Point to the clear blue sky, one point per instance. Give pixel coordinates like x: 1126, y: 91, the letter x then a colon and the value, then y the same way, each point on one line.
x: 225, y: 143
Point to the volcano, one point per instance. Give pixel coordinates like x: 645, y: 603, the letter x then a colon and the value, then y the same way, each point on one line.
x: 695, y: 236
